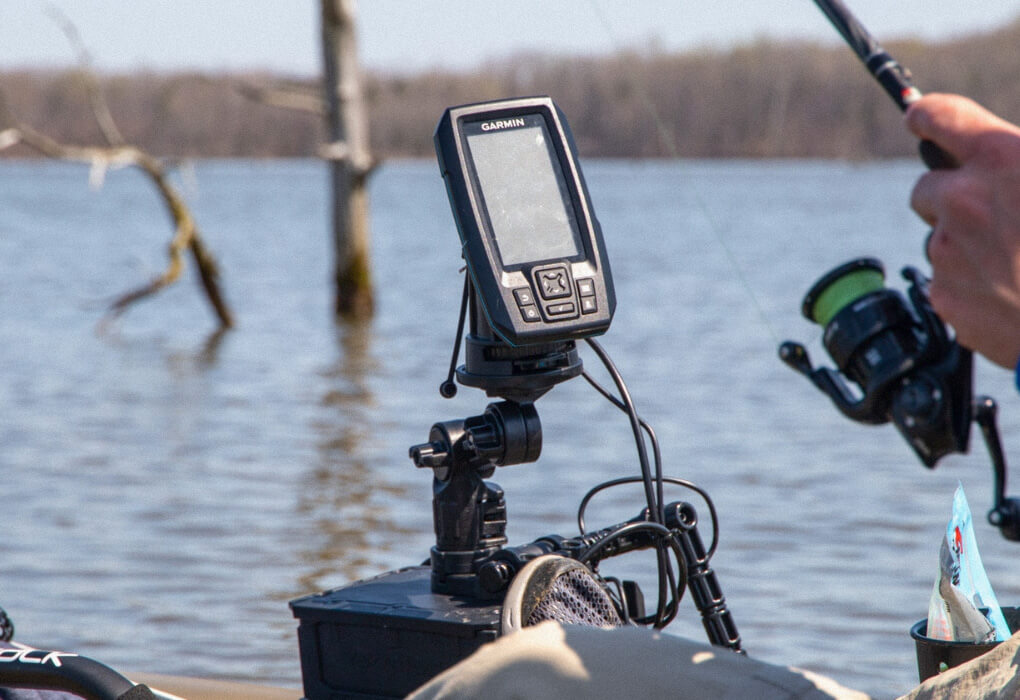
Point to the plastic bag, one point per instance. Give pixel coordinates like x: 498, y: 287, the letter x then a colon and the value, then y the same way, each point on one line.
x: 963, y: 607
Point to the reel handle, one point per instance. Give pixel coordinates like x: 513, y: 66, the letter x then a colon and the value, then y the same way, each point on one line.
x: 1005, y: 512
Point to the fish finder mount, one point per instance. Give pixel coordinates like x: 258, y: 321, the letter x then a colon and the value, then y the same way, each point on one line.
x: 537, y: 280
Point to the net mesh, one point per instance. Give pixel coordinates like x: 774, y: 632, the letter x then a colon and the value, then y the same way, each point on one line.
x: 575, y: 598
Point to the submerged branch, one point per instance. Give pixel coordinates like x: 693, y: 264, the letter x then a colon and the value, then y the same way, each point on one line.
x: 186, y: 235
x: 117, y: 153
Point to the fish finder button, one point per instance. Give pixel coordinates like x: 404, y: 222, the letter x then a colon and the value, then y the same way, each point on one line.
x: 530, y: 313
x: 526, y: 303
x: 560, y: 309
x: 554, y: 282
x: 524, y: 296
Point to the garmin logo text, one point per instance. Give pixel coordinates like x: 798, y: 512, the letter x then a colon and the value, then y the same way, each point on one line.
x: 502, y: 124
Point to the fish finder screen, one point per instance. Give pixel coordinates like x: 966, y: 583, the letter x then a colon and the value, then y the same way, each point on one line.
x: 524, y: 192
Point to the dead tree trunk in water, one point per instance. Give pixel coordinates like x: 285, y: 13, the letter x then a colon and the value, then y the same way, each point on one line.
x: 349, y: 159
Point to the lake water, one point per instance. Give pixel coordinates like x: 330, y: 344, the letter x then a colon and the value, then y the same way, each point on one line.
x: 165, y: 491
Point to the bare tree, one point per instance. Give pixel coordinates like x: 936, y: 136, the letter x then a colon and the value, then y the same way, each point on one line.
x: 350, y: 159
x: 348, y: 153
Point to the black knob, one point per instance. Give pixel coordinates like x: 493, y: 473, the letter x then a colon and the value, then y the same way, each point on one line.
x: 429, y: 454
x: 494, y: 576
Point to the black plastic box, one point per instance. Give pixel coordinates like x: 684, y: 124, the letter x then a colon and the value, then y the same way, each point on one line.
x: 385, y: 636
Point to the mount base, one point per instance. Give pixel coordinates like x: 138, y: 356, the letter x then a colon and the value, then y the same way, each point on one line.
x: 385, y: 636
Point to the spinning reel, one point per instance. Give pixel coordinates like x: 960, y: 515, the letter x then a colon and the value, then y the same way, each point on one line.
x: 897, y: 362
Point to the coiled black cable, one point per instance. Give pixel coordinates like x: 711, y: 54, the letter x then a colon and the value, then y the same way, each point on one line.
x: 670, y: 591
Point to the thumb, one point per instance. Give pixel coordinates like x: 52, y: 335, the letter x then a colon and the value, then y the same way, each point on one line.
x: 952, y: 121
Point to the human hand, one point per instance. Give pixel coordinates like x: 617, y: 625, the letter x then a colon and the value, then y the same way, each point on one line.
x: 974, y: 212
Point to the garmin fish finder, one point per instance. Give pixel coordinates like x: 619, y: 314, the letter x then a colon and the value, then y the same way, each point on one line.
x: 538, y: 286
x: 533, y: 247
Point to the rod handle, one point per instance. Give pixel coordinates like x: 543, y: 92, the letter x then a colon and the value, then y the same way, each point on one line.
x: 935, y: 157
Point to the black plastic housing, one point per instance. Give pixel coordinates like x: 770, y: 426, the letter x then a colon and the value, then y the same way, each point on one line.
x: 583, y: 301
x: 385, y: 636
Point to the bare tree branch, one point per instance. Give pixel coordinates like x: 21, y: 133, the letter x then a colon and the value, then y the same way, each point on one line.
x: 288, y: 97
x: 186, y: 235
x: 304, y: 100
x: 9, y: 137
x: 362, y: 164
x: 99, y: 106
x: 119, y: 154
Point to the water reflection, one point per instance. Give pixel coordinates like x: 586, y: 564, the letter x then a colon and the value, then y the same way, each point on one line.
x: 346, y: 498
x: 209, y: 354
x: 204, y: 356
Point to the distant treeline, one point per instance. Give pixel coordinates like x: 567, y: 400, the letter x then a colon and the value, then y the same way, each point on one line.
x: 767, y: 99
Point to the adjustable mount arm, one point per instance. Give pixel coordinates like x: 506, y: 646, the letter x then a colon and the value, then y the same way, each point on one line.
x: 701, y: 579
x: 469, y: 514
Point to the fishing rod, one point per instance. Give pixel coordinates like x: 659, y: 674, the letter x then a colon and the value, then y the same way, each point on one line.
x: 890, y: 74
x: 897, y: 360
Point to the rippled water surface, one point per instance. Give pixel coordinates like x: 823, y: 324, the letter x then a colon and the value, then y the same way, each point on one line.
x: 165, y: 491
